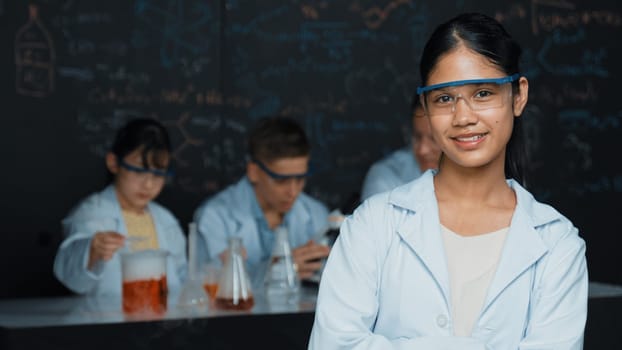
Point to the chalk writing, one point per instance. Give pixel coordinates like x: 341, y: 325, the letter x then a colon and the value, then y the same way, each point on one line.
x: 582, y: 151
x: 515, y: 12
x: 584, y: 119
x: 550, y: 14
x: 83, y: 74
x: 600, y: 184
x: 580, y: 92
x: 358, y: 125
x: 178, y: 25
x: 98, y: 128
x: 187, y: 141
x: 268, y: 105
x: 377, y: 84
x: 591, y: 61
x: 185, y: 96
x: 375, y: 16
x: 543, y: 5
x: 35, y: 57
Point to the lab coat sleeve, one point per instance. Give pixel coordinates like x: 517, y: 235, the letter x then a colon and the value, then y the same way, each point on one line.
x: 212, y: 229
x: 70, y: 264
x: 347, y: 301
x: 558, y: 311
x: 178, y: 249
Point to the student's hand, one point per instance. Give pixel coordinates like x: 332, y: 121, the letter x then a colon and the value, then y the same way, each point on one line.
x: 103, y: 246
x: 307, y: 258
x: 225, y: 255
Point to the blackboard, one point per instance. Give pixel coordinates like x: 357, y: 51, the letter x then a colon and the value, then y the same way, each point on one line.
x: 74, y: 71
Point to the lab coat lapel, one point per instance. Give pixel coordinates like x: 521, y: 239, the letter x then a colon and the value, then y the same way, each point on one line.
x: 424, y: 238
x: 110, y: 194
x: 523, y: 248
x: 420, y: 229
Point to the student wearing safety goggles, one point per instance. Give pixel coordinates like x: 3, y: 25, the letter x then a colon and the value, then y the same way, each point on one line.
x: 123, y: 215
x: 269, y: 196
x: 405, y: 164
x: 463, y: 257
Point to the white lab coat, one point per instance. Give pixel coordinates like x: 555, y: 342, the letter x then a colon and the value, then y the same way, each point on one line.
x: 386, y: 283
x: 101, y: 212
x: 235, y: 211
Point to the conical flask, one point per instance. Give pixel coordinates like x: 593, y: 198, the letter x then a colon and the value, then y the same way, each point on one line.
x: 192, y: 292
x: 234, y: 287
x: 281, y: 277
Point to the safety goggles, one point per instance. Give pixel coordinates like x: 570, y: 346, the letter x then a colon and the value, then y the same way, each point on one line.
x: 478, y: 94
x: 141, y: 172
x: 280, y: 177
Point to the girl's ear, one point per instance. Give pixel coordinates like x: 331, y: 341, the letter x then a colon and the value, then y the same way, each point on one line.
x: 111, y: 163
x: 520, y: 98
x: 252, y: 171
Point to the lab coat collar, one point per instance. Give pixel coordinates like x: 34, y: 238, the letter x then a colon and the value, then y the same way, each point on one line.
x: 245, y: 197
x: 251, y: 207
x: 421, y: 231
x: 415, y: 195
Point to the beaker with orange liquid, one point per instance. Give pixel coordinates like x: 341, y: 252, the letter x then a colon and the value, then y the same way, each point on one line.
x: 144, y: 289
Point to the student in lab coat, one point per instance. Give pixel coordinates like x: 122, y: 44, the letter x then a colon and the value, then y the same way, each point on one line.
x: 269, y: 196
x: 405, y: 164
x: 98, y: 228
x: 463, y: 257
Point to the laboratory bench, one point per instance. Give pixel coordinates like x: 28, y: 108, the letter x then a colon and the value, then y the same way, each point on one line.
x: 98, y: 323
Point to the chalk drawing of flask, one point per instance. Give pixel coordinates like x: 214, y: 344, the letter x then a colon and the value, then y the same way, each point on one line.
x: 34, y: 57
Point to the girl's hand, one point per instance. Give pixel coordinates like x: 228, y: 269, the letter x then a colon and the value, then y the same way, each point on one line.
x: 103, y: 246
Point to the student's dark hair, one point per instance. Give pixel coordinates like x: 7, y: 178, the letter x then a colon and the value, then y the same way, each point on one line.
x: 277, y: 137
x: 487, y: 37
x: 148, y: 135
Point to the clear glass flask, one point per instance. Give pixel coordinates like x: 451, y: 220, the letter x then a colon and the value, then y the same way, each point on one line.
x: 234, y: 287
x: 192, y: 292
x: 281, y: 277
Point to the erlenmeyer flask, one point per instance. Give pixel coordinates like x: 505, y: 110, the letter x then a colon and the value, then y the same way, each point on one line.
x: 192, y: 292
x: 281, y: 277
x: 234, y: 287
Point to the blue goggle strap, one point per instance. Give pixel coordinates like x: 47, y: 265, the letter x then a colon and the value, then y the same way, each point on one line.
x: 278, y: 176
x: 140, y: 170
x: 499, y: 81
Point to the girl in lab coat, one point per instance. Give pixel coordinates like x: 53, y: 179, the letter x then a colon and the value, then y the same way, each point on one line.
x: 463, y: 257
x: 123, y: 216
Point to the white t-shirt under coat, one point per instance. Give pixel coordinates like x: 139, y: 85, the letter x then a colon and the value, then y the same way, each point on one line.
x: 472, y: 262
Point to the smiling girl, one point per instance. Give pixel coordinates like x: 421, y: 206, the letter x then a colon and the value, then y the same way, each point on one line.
x: 463, y: 257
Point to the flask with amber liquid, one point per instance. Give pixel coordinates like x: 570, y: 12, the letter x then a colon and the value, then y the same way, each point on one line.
x: 234, y: 287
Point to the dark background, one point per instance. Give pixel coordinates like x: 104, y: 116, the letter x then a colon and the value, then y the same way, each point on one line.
x: 345, y: 69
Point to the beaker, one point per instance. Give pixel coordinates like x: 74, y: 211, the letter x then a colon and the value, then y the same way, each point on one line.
x: 234, y: 287
x: 144, y: 288
x: 281, y: 277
